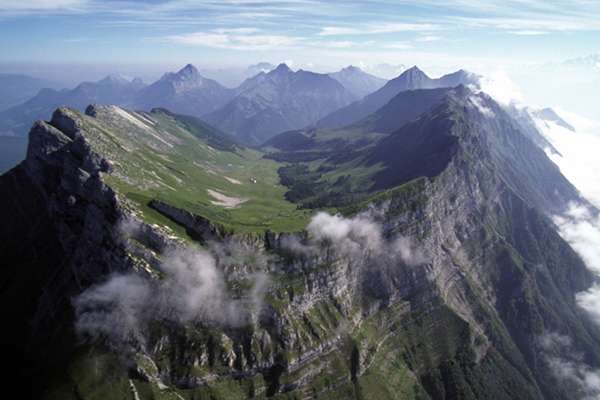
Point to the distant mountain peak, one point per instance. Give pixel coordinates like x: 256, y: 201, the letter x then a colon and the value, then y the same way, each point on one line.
x: 413, y: 74
x: 189, y: 71
x: 281, y: 68
x: 351, y: 68
x: 114, y: 79
x: 414, y: 70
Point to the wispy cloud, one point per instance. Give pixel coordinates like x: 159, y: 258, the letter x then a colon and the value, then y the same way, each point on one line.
x: 429, y: 38
x: 376, y: 29
x: 568, y: 365
x: 398, y: 45
x: 235, y: 39
x: 23, y: 6
x: 529, y: 33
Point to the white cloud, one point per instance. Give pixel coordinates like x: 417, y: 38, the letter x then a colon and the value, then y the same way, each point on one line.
x: 42, y: 5
x: 235, y: 39
x: 398, y: 45
x: 477, y: 102
x: 376, y: 29
x: 567, y: 365
x: 338, y: 44
x: 359, y: 238
x: 499, y: 85
x: 529, y: 33
x: 581, y: 229
x: 429, y: 38
x: 578, y: 160
x: 192, y: 288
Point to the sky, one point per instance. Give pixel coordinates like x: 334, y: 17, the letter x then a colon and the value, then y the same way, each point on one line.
x: 311, y: 33
x: 70, y: 41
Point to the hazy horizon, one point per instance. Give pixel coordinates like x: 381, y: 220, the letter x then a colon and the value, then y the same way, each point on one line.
x: 537, y: 44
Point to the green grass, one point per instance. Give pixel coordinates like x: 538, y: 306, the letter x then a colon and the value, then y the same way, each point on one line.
x: 157, y: 156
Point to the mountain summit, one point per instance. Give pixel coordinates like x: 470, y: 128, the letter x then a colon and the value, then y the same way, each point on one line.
x: 185, y: 92
x: 358, y: 82
x: 279, y: 100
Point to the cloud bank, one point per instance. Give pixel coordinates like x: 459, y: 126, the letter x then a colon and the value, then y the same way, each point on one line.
x: 568, y: 366
x: 360, y: 238
x: 193, y: 289
x: 580, y: 225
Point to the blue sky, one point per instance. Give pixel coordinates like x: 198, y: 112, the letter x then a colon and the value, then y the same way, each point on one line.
x: 325, y: 34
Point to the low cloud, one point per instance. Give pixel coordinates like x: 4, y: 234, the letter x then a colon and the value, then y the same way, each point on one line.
x: 501, y: 87
x: 193, y: 283
x: 358, y: 238
x: 568, y: 366
x: 578, y: 159
x: 580, y: 225
x: 581, y: 229
x: 192, y: 289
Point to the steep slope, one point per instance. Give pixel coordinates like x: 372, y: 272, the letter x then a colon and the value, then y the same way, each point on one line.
x: 184, y: 92
x: 344, y: 143
x: 358, y: 82
x: 445, y: 289
x: 17, y: 88
x: 494, y: 136
x: 277, y: 101
x: 110, y: 90
x: 410, y: 79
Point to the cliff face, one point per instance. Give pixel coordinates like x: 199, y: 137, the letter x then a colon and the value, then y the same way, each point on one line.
x: 57, y: 236
x: 445, y: 289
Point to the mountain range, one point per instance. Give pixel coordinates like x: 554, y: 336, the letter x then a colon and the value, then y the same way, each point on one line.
x: 410, y: 79
x: 277, y: 101
x: 184, y: 92
x: 113, y: 89
x: 404, y: 249
x: 358, y: 82
x: 269, y: 102
x: 17, y: 88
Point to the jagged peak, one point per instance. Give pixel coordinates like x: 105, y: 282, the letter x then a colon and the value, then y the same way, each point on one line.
x: 188, y: 70
x: 412, y: 73
x: 66, y: 121
x: 413, y: 70
x: 187, y: 73
x: 281, y: 68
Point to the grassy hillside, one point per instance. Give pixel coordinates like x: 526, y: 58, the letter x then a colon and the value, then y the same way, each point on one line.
x: 181, y: 162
